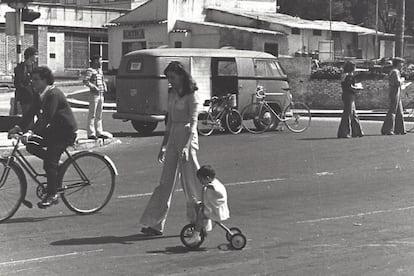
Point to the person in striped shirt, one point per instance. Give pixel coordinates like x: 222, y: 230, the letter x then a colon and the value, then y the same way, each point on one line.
x: 94, y: 79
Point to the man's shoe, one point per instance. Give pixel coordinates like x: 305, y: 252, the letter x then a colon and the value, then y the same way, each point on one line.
x: 148, y: 231
x: 92, y: 137
x: 48, y: 201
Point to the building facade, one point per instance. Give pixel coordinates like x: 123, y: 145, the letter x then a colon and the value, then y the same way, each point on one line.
x: 65, y: 36
x: 249, y: 25
x: 155, y: 24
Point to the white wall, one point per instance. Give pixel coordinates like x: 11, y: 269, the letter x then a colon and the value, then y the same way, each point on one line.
x: 259, y: 41
x: 189, y: 9
x: 154, y: 36
x: 250, y: 5
x: 57, y: 48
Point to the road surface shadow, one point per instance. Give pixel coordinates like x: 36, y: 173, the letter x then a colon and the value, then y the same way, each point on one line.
x: 136, y: 134
x: 38, y: 219
x: 176, y: 250
x: 110, y: 239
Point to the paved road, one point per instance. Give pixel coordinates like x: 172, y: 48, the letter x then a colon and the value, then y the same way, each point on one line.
x: 310, y: 204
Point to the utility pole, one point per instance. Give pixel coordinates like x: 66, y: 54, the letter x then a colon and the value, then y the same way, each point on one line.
x: 399, y: 36
x: 21, y: 14
x: 376, y: 30
x: 331, y: 46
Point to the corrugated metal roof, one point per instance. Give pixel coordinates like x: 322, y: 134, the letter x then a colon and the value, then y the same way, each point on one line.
x: 219, y: 25
x: 199, y: 52
x: 297, y: 22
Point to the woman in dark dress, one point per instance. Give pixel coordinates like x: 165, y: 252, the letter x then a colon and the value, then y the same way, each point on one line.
x: 349, y: 125
x: 394, y: 121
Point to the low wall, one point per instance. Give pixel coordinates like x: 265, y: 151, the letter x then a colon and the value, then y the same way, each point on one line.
x: 296, y: 66
x: 326, y: 94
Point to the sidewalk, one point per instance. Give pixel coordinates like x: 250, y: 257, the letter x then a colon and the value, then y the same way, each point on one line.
x: 82, y: 143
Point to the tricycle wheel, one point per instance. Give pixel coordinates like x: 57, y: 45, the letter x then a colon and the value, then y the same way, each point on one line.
x: 238, y: 241
x: 234, y: 230
x: 187, y: 233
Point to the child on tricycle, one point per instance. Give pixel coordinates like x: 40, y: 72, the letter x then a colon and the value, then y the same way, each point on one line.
x: 213, y: 206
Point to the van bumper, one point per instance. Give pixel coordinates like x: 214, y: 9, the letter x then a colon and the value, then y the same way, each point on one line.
x: 138, y: 117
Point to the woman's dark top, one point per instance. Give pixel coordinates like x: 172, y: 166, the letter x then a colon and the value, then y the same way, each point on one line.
x: 55, y: 117
x: 347, y: 82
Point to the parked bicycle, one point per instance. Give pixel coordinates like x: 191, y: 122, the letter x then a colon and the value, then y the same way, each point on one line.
x: 259, y: 116
x: 222, y: 115
x: 409, y: 114
x: 87, y: 181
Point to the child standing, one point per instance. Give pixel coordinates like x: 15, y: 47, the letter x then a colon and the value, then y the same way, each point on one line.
x: 214, y: 204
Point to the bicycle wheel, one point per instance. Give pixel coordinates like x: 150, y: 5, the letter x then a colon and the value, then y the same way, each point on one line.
x: 205, y: 123
x: 257, y: 118
x: 297, y: 116
x: 13, y: 187
x: 409, y: 120
x: 234, y: 121
x: 88, y: 182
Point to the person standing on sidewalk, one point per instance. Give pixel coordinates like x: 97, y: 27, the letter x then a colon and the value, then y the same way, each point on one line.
x: 178, y: 151
x: 54, y: 130
x: 350, y: 122
x: 23, y: 81
x: 394, y: 120
x: 94, y: 79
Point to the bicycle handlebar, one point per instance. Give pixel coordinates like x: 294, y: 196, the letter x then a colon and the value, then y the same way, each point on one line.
x: 260, y: 93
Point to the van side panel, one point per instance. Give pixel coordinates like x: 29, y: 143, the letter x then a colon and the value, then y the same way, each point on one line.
x: 142, y: 95
x: 138, y: 86
x: 142, y: 87
x: 247, y: 82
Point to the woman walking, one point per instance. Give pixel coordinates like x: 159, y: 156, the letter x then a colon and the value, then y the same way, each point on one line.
x: 178, y: 151
x: 350, y: 122
x: 394, y: 121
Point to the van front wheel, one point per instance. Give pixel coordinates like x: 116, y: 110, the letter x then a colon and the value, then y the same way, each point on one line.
x: 144, y: 127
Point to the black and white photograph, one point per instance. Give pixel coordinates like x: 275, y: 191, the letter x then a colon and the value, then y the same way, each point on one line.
x: 206, y: 137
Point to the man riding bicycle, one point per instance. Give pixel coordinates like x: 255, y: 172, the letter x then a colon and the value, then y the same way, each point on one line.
x: 54, y: 130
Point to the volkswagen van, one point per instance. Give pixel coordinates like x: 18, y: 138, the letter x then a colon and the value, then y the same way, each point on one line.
x: 142, y: 87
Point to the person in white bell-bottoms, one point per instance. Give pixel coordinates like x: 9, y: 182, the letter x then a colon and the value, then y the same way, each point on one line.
x: 178, y: 152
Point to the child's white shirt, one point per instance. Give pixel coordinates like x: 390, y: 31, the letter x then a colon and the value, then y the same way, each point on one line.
x: 215, y: 202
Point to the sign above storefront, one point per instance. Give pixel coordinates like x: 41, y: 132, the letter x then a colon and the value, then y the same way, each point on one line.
x: 134, y: 34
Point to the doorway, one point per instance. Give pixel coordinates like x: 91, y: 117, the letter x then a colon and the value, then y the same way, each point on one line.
x: 224, y: 76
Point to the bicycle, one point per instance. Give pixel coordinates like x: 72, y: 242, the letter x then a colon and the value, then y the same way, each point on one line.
x: 220, y: 109
x: 86, y: 181
x: 258, y: 117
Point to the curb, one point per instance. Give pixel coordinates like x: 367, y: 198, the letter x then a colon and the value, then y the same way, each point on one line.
x: 81, y: 145
x: 82, y: 104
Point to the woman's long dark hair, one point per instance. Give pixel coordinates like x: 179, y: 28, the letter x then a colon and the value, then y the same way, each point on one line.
x: 189, y: 85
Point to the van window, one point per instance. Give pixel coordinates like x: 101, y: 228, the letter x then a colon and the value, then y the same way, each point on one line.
x: 226, y: 68
x: 267, y: 68
x: 135, y: 65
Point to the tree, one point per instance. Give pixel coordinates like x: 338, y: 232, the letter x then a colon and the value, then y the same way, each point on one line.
x: 360, y: 12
